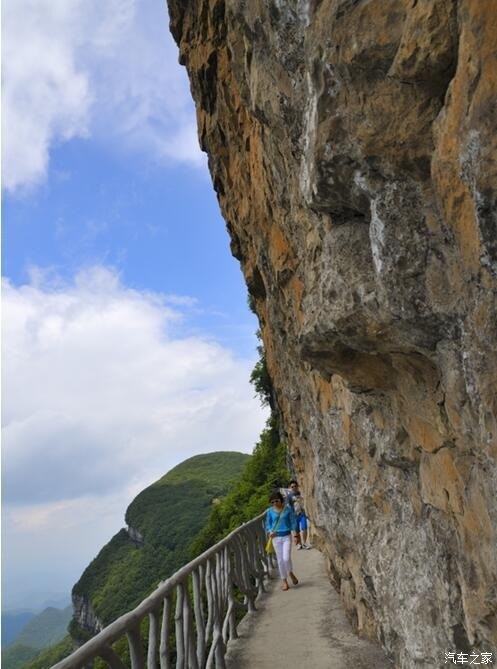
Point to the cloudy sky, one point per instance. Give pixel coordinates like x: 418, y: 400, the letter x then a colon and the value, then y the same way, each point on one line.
x: 127, y: 343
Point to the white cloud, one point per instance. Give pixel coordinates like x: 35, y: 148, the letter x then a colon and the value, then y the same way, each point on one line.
x: 82, y: 67
x: 104, y: 393
x: 47, y: 546
x: 100, y: 389
x: 45, y: 96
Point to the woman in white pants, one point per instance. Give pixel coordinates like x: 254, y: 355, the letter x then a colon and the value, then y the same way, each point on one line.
x: 281, y: 524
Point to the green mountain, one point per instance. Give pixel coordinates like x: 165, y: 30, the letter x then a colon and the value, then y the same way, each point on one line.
x: 186, y: 495
x: 16, y: 655
x: 162, y: 522
x: 45, y: 629
x: 51, y: 655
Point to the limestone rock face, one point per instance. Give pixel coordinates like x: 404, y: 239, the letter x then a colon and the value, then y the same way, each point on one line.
x: 352, y: 145
x: 136, y: 536
x: 85, y: 616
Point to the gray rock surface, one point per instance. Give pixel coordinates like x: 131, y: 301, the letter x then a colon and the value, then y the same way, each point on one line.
x: 85, y: 616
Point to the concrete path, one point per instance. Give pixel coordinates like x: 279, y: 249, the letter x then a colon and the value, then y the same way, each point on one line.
x: 303, y: 627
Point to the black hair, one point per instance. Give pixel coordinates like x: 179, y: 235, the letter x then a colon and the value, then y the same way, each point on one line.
x: 275, y: 494
x: 293, y: 481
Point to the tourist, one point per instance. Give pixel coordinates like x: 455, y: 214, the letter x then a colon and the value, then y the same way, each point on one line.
x: 296, y: 501
x: 280, y: 526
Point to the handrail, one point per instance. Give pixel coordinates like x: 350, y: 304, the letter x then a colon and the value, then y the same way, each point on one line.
x: 204, y: 608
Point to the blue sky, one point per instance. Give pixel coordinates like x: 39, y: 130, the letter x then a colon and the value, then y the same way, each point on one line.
x: 127, y: 340
x: 159, y: 225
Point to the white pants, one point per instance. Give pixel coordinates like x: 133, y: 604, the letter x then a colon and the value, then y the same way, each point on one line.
x: 283, y: 548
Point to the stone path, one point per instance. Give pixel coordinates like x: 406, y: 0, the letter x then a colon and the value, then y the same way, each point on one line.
x: 304, y: 627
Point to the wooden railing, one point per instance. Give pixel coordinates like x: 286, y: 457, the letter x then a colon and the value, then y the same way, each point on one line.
x: 205, y: 595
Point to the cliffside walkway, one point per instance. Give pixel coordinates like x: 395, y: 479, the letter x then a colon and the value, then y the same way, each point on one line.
x: 303, y: 627
x: 189, y: 621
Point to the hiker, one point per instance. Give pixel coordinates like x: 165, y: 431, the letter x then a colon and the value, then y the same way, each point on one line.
x: 280, y: 525
x: 295, y: 500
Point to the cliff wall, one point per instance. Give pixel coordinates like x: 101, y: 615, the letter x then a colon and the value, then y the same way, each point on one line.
x: 84, y: 616
x: 352, y: 145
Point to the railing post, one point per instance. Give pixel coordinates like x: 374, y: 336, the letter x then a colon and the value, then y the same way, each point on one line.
x: 190, y: 654
x: 220, y: 599
x: 165, y: 661
x: 135, y: 647
x: 210, y: 606
x: 199, y: 614
x: 179, y: 630
x: 153, y: 618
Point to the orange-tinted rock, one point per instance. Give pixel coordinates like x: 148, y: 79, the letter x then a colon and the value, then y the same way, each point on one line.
x: 353, y: 148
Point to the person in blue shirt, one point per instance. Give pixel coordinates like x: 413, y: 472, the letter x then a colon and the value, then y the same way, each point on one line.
x: 281, y: 525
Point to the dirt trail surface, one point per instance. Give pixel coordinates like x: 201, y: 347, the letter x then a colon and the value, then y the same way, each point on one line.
x: 305, y: 626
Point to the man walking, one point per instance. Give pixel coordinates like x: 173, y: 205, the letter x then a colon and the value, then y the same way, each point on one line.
x: 295, y: 500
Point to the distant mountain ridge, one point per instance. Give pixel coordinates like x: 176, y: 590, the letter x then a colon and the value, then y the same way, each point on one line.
x: 46, y: 628
x: 39, y: 631
x: 12, y: 624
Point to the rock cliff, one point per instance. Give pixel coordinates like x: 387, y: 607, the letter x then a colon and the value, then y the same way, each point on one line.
x: 352, y: 145
x: 136, y: 536
x: 84, y: 615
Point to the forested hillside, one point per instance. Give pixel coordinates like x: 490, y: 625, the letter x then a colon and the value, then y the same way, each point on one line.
x: 162, y: 520
x: 12, y: 624
x: 44, y: 629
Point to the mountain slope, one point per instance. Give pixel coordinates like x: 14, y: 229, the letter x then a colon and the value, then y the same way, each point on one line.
x: 16, y: 655
x: 41, y: 631
x: 50, y: 656
x: 162, y: 522
x: 46, y: 628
